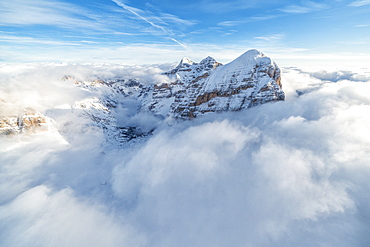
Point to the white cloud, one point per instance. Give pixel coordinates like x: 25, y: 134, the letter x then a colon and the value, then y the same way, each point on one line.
x: 136, y: 12
x: 143, y: 53
x: 247, y: 20
x: 213, y: 6
x: 166, y: 17
x: 292, y: 173
x: 41, y: 12
x: 41, y: 217
x: 230, y: 23
x: 296, y: 9
x: 306, y: 7
x: 157, y: 21
x: 29, y: 40
x: 89, y: 23
x: 359, y: 3
x: 271, y: 38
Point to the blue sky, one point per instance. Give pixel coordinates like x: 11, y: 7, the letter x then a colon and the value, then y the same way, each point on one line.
x: 157, y: 31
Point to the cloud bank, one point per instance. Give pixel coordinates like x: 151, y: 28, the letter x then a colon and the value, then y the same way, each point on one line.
x: 292, y: 173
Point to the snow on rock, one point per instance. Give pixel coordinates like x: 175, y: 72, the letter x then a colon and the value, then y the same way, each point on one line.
x: 30, y: 122
x: 194, y: 89
x: 251, y: 79
x: 190, y: 90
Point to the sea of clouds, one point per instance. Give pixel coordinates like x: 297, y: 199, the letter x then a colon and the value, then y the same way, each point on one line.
x: 291, y: 173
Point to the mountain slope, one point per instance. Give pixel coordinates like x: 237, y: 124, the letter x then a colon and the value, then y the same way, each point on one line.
x: 251, y: 79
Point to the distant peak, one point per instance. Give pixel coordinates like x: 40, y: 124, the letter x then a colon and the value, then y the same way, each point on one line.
x: 185, y: 60
x: 208, y: 59
x: 253, y: 53
x: 184, y: 63
x: 249, y: 57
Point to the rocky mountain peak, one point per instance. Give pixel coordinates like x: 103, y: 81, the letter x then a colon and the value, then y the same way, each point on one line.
x: 208, y: 60
x: 194, y: 89
x: 183, y: 65
x: 185, y: 60
x: 191, y: 90
x: 249, y: 80
x: 187, y: 65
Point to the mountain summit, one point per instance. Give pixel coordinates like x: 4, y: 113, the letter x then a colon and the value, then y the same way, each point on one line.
x: 251, y: 79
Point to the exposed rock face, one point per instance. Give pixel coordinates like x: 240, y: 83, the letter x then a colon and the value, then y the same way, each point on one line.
x: 250, y: 80
x: 9, y: 125
x: 188, y: 78
x: 30, y: 122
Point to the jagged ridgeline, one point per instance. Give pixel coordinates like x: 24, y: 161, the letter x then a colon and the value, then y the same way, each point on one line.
x: 193, y: 89
x: 251, y: 79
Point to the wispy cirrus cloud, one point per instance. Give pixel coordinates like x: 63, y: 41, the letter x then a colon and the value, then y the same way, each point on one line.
x: 169, y: 18
x: 100, y: 20
x: 229, y: 6
x: 230, y: 23
x: 247, y: 20
x: 158, y: 22
x: 359, y: 3
x: 51, y: 13
x: 305, y: 7
x: 137, y: 13
x: 362, y: 25
x: 23, y: 40
x: 271, y: 38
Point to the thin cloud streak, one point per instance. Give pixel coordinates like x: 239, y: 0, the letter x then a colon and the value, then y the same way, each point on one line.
x: 359, y: 3
x: 248, y: 20
x: 181, y: 44
x: 21, y: 13
x: 134, y: 11
x: 271, y: 38
x: 306, y: 7
x: 167, y: 32
x: 176, y: 20
x: 27, y: 40
x: 41, y: 12
x: 230, y: 6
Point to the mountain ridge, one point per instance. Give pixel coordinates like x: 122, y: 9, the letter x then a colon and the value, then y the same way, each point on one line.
x: 192, y: 90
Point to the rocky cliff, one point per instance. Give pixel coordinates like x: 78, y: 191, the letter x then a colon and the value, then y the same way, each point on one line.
x: 199, y: 88
x: 31, y: 121
x: 251, y: 79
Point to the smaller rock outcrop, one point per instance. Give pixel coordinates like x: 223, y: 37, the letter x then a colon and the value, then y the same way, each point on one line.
x: 31, y: 121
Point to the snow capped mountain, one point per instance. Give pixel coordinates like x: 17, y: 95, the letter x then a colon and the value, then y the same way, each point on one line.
x: 250, y: 80
x: 192, y: 89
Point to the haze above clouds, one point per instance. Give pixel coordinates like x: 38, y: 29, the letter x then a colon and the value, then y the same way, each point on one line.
x: 292, y: 173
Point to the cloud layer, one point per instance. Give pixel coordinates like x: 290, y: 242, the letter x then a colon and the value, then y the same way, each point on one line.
x: 292, y: 173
